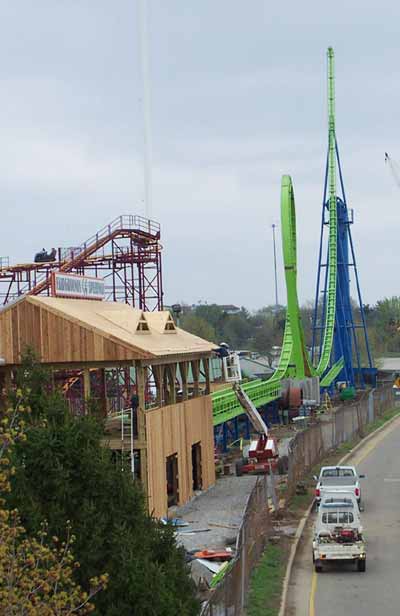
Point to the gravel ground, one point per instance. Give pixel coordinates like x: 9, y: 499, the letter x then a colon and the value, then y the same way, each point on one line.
x: 222, y: 505
x: 218, y: 513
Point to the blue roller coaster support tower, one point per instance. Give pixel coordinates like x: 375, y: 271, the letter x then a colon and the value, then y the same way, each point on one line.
x: 350, y: 331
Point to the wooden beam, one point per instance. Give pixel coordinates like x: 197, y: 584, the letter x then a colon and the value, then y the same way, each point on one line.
x: 171, y: 369
x: 183, y: 369
x: 141, y: 420
x: 170, y: 359
x: 114, y: 442
x: 158, y: 379
x: 86, y: 387
x: 195, y: 372
x: 103, y: 389
x: 206, y: 366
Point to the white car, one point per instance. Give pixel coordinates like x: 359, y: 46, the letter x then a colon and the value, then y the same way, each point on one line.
x: 338, y: 479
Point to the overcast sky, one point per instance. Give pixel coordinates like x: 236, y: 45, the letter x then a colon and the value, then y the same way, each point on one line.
x: 238, y: 98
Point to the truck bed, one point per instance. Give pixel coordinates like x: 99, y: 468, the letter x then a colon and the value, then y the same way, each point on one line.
x: 338, y: 551
x: 338, y: 482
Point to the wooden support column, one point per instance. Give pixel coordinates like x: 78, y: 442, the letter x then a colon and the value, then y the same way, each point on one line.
x: 86, y: 387
x: 183, y: 369
x: 158, y: 379
x: 206, y: 366
x: 171, y: 368
x: 141, y: 420
x: 195, y: 363
x: 103, y: 390
x: 164, y: 379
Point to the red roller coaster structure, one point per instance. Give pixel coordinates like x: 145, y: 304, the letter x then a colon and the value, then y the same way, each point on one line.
x: 126, y: 253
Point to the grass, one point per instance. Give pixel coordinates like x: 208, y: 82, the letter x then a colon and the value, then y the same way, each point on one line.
x: 266, y: 583
x: 299, y: 501
x: 381, y: 420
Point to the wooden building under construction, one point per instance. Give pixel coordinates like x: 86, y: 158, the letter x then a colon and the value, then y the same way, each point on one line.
x: 170, y: 430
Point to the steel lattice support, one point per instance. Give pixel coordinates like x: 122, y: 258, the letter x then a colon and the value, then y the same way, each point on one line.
x: 126, y: 254
x: 346, y: 343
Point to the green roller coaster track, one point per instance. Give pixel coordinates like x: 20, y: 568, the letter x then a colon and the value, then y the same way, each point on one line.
x: 294, y: 360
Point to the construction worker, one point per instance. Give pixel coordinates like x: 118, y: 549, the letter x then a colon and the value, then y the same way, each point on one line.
x: 222, y: 350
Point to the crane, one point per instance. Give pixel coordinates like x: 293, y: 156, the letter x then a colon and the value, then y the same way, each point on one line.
x: 263, y: 452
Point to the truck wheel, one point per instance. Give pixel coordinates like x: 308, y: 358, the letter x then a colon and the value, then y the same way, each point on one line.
x: 318, y: 567
x: 239, y: 468
x: 361, y: 565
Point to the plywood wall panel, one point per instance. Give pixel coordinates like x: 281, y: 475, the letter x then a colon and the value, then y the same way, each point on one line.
x: 174, y: 429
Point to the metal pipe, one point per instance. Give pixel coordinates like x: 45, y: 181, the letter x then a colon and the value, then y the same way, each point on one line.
x: 144, y: 64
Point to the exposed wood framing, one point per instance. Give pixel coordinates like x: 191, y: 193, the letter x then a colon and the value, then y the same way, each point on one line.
x: 158, y: 378
x: 140, y: 389
x: 174, y: 429
x: 86, y: 385
x: 183, y: 369
x: 206, y: 367
x: 171, y: 375
x: 195, y: 372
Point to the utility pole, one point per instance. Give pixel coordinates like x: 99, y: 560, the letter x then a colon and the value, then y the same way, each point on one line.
x: 146, y: 103
x: 276, y: 274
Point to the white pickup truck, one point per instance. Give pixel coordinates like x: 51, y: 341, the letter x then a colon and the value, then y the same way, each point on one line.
x: 338, y: 533
x: 338, y: 479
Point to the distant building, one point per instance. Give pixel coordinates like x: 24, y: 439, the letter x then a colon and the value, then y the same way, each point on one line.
x: 388, y: 368
x: 256, y: 368
x: 229, y: 308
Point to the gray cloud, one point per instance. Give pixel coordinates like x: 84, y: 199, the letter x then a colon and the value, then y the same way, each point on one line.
x: 238, y: 99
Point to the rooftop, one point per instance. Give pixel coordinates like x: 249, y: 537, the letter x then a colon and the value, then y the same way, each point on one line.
x: 142, y: 335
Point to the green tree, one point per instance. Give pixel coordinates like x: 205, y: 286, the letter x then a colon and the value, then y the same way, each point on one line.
x: 198, y: 326
x: 237, y: 330
x: 387, y: 324
x: 36, y: 574
x: 62, y: 472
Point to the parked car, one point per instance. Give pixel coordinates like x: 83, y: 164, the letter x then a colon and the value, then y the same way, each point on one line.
x: 338, y: 479
x: 338, y: 533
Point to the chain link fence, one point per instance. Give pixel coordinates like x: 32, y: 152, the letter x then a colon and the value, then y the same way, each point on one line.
x: 228, y: 599
x: 306, y: 449
x: 342, y: 424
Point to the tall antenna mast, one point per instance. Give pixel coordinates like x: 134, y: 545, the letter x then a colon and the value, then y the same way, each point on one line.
x: 146, y: 103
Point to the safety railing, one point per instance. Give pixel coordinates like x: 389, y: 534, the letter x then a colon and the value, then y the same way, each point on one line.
x: 125, y: 221
x: 95, y: 242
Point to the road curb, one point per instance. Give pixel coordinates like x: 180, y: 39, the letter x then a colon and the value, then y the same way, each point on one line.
x: 303, y: 521
x: 292, y: 556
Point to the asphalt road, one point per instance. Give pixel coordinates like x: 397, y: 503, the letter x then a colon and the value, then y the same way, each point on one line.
x: 343, y: 590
